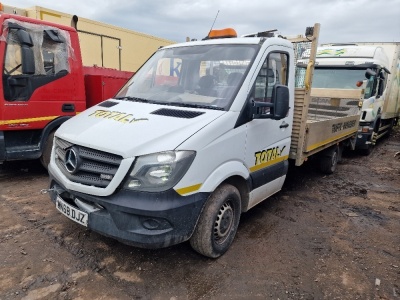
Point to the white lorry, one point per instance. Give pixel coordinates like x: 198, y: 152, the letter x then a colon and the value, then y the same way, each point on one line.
x: 344, y: 66
x: 202, y: 133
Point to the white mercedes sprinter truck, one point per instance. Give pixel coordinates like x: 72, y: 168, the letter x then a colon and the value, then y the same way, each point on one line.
x: 199, y: 135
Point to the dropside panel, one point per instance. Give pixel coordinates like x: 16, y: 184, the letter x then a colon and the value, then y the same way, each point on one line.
x: 331, y: 116
x: 322, y: 134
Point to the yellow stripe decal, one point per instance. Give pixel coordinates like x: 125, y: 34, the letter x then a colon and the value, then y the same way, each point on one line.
x: 189, y: 189
x: 269, y: 163
x: 18, y: 121
x: 316, y: 145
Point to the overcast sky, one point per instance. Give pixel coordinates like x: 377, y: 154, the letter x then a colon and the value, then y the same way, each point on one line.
x: 341, y: 20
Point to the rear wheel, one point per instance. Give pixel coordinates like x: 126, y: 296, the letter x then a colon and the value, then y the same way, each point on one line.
x: 329, y: 159
x: 218, y: 222
x: 45, y: 158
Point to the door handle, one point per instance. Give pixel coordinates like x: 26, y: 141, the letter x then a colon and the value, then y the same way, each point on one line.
x: 284, y: 125
x: 68, y: 107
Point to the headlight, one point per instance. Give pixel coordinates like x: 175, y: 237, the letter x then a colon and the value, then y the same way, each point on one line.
x: 159, y: 171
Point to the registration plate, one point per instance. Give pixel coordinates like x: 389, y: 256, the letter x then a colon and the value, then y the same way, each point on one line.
x: 71, y: 212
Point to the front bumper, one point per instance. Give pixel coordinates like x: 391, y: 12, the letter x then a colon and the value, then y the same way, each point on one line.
x: 364, y: 137
x: 145, y: 220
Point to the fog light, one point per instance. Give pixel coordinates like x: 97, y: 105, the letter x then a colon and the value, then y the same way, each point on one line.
x: 150, y: 224
x: 134, y: 183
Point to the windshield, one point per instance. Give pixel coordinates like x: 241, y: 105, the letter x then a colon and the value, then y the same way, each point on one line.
x: 206, y: 76
x: 340, y: 78
x: 337, y: 78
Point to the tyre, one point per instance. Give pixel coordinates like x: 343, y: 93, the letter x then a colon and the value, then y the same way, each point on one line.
x: 218, y: 222
x: 340, y: 153
x: 328, y: 160
x: 367, y: 151
x: 45, y: 158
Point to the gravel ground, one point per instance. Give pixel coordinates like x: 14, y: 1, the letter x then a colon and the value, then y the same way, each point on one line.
x: 321, y: 237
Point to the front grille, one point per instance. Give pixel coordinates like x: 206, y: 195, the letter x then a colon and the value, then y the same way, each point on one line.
x: 93, y: 167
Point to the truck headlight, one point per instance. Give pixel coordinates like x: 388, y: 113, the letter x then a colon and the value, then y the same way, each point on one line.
x: 159, y: 171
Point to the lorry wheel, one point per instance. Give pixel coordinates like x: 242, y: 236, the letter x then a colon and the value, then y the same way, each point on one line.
x: 45, y: 158
x: 367, y: 151
x: 218, y: 222
x: 329, y: 160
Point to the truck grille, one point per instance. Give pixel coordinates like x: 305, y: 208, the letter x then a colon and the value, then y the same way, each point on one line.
x: 84, y: 165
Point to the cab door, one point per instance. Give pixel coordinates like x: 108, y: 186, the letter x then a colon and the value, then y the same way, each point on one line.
x: 36, y: 60
x: 268, y: 139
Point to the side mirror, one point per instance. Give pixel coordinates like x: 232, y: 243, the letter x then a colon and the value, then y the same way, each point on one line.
x: 28, y: 60
x: 369, y: 73
x: 24, y: 38
x: 381, y: 87
x: 27, y: 56
x: 280, y: 96
x: 277, y: 109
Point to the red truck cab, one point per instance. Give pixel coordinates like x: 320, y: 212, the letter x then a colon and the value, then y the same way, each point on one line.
x: 43, y: 84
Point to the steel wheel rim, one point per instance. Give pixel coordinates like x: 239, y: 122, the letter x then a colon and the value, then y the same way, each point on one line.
x: 223, y: 222
x: 334, y: 160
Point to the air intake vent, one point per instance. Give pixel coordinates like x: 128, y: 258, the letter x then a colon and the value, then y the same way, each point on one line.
x: 176, y: 113
x: 108, y: 104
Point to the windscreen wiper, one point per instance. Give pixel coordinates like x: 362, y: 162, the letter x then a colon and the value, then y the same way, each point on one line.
x: 194, y: 105
x: 137, y: 99
x: 132, y: 99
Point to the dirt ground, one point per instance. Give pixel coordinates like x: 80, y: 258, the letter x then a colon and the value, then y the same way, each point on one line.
x: 321, y: 237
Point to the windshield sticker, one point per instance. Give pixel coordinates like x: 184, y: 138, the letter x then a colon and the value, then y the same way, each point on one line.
x: 116, y: 116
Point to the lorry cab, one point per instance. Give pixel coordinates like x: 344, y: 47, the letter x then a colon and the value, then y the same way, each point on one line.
x: 199, y: 135
x: 346, y: 66
x: 42, y: 84
x: 351, y: 66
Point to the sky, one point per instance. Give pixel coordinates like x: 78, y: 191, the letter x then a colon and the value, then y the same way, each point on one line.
x: 342, y: 21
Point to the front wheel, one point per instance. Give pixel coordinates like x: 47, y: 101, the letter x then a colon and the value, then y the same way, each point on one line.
x: 218, y: 222
x: 367, y: 151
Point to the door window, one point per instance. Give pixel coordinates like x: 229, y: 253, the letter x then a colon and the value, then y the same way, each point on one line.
x: 35, y: 55
x: 13, y: 59
x: 274, y: 71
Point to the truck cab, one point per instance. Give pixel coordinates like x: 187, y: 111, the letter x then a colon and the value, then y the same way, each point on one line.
x: 199, y: 135
x: 352, y: 66
x: 42, y: 84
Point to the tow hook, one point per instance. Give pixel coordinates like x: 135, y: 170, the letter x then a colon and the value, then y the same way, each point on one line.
x: 45, y: 191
